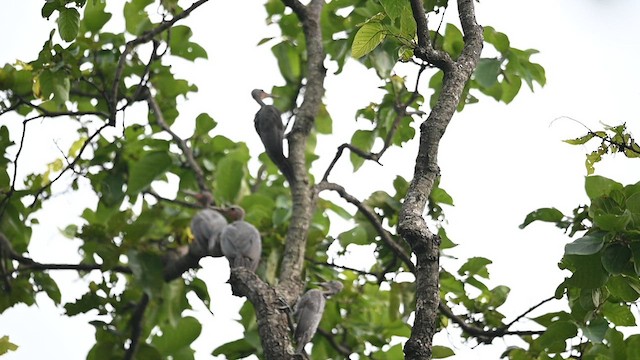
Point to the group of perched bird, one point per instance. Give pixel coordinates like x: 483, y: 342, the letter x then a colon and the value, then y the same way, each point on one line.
x: 223, y: 232
x: 240, y: 242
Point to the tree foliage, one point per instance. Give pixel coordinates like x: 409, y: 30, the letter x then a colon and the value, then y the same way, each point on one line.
x: 98, y: 76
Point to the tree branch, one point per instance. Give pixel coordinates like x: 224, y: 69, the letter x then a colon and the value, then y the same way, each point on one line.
x: 342, y: 349
x: 401, y: 112
x: 412, y: 226
x: 302, y: 197
x: 136, y: 327
x: 371, y: 216
x: 186, y: 150
x: 142, y: 39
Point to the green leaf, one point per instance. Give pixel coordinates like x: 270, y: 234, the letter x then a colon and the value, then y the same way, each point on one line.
x: 581, y: 140
x: 635, y: 251
x: 229, y: 175
x: 175, y: 339
x: 324, y: 123
x: 204, y: 124
x: 621, y: 288
x: 148, y: 168
x: 487, y: 72
x: 588, y: 273
x: 544, y: 214
x: 68, y: 24
x: 363, y: 140
x: 289, y: 62
x: 596, y: 330
x: 499, y: 40
x: 94, y: 16
x: 587, y: 245
x: 633, y: 344
x: 147, y: 269
x: 441, y: 352
x: 615, y: 258
x: 618, y: 313
x: 6, y: 345
x: 357, y: 236
x: 597, y: 186
x: 557, y: 332
x: 237, y: 349
x: 368, y: 37
x: 46, y: 283
x: 393, y: 8
x: 475, y: 265
x: 407, y: 25
x: 181, y: 46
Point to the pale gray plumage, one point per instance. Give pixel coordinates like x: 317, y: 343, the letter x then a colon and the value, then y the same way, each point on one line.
x: 206, y: 227
x: 268, y: 124
x: 240, y: 241
x: 309, y: 310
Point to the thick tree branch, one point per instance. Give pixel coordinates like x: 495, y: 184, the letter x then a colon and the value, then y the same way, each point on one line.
x: 412, y: 226
x: 302, y: 197
x: 273, y: 324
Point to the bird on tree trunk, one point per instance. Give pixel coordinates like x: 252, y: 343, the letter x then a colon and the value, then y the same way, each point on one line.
x: 268, y: 123
x: 240, y: 241
x: 206, y: 227
x: 308, y: 312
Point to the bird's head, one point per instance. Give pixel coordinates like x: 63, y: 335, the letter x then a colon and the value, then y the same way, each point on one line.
x: 331, y: 287
x: 232, y: 213
x: 259, y: 95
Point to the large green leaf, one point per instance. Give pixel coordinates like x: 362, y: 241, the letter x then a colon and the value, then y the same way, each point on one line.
x: 68, y: 23
x: 588, y: 273
x: 487, y: 72
x: 148, y: 168
x: 586, y: 245
x: 175, y: 339
x: 596, y: 329
x: 615, y: 258
x: 618, y: 313
x: 94, y: 16
x: 597, y: 186
x: 363, y: 140
x: 368, y: 37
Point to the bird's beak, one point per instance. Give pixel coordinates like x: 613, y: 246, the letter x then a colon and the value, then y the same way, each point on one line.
x: 266, y: 95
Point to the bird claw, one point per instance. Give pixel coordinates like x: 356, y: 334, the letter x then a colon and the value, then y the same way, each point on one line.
x: 284, y: 305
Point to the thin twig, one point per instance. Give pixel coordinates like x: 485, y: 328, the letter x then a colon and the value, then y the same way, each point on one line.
x: 136, y: 327
x: 341, y: 348
x: 373, y: 219
x: 71, y: 165
x: 186, y: 150
x: 142, y: 39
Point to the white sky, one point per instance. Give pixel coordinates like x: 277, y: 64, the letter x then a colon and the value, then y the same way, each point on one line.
x: 498, y: 162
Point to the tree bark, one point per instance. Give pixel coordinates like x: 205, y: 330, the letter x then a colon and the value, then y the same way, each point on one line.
x: 268, y: 301
x: 412, y: 226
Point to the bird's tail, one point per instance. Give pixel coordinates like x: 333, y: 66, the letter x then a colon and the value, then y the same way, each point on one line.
x: 283, y: 164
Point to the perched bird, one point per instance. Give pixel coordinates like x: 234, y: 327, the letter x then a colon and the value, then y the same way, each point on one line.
x: 206, y: 227
x: 269, y: 126
x: 240, y: 241
x: 308, y: 312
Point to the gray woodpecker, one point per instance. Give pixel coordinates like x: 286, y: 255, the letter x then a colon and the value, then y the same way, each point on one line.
x: 308, y: 312
x: 206, y: 227
x: 268, y: 123
x: 240, y: 241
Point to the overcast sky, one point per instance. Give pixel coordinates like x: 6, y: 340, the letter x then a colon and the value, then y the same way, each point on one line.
x: 498, y: 162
